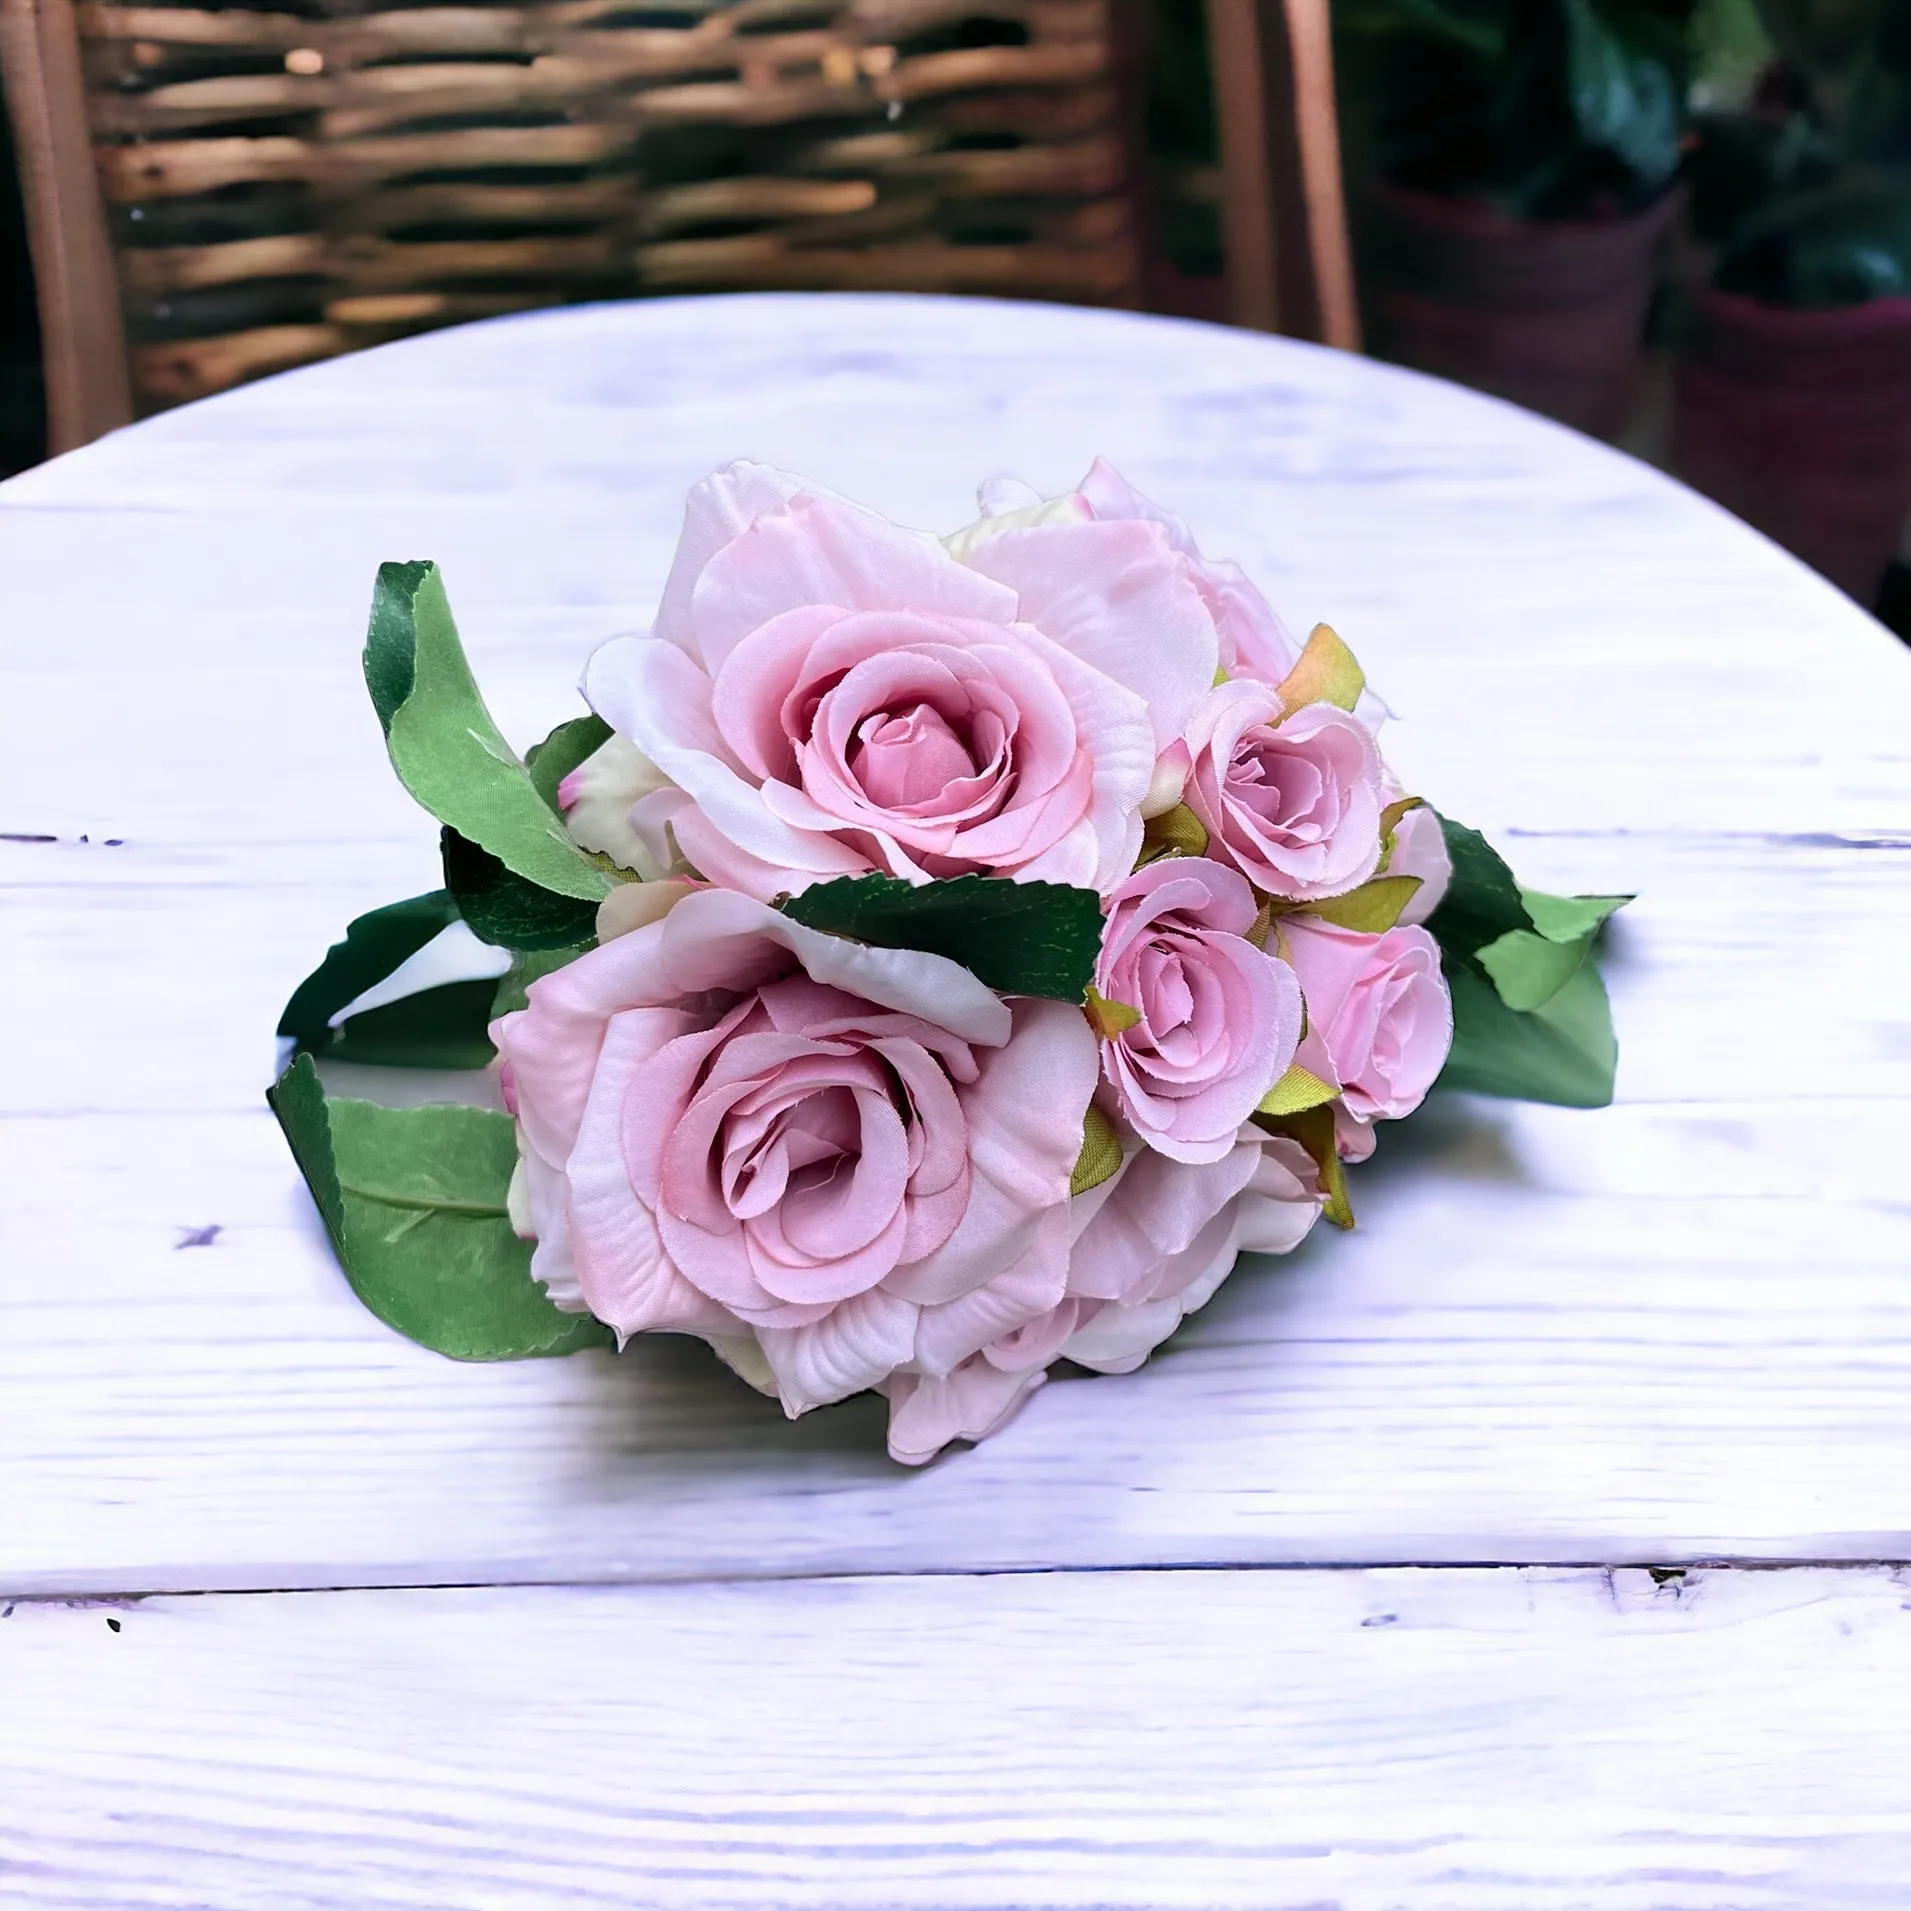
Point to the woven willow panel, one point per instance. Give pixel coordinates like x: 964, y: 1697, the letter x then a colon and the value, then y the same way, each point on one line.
x: 285, y: 185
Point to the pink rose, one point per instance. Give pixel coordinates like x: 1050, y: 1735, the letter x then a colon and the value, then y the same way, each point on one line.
x: 1293, y: 802
x: 1420, y: 849
x: 1254, y: 641
x: 1220, y: 1019
x: 1380, y: 1020
x: 735, y: 1127
x: 829, y: 694
x: 1152, y: 1245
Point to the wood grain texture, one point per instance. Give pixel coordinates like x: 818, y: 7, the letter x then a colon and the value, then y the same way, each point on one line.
x: 1447, y: 1741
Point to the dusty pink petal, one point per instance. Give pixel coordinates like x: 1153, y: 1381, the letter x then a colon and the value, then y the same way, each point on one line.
x: 1254, y: 642
x: 1114, y: 595
x: 1156, y: 1210
x: 855, y: 1345
x: 1113, y: 1339
x: 1024, y: 1113
x: 823, y: 551
x: 1027, y: 1290
x: 1419, y: 849
x: 1219, y: 1017
x: 1293, y: 802
x: 1382, y: 1010
x: 719, y: 509
x: 969, y: 1404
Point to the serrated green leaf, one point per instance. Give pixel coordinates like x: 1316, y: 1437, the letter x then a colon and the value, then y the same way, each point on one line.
x: 1018, y: 938
x: 504, y: 909
x: 570, y: 744
x: 1564, y: 1052
x: 436, y: 1028
x: 414, y: 1202
x: 373, y: 946
x: 446, y: 749
x: 528, y: 966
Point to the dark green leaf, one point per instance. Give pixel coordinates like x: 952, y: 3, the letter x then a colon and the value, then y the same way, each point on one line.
x: 436, y: 1028
x: 414, y: 1201
x: 1018, y: 938
x: 373, y: 946
x: 446, y: 749
x: 503, y: 908
x: 1482, y: 902
x: 1563, y: 1052
x: 528, y: 966
x: 570, y: 744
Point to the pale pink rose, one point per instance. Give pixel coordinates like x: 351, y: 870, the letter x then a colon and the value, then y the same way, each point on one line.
x: 1152, y: 1245
x: 1293, y: 802
x: 1220, y: 1018
x: 1419, y: 849
x: 829, y: 694
x: 733, y: 1126
x: 1253, y: 640
x: 1380, y: 1020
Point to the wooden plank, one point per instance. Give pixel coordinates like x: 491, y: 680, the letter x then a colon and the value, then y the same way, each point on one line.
x: 1446, y: 1741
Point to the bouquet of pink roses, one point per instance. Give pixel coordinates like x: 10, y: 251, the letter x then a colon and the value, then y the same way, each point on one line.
x: 932, y: 959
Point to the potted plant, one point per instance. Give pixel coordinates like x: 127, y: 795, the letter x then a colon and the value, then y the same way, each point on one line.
x: 1792, y: 391
x: 1521, y: 161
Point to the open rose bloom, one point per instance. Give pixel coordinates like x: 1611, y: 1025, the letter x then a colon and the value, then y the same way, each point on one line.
x: 850, y: 1167
x: 934, y: 961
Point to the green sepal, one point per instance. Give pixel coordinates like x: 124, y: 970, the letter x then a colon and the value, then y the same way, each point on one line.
x: 1325, y: 672
x: 570, y: 744
x: 528, y: 966
x: 373, y: 945
x: 1297, y: 1091
x: 1562, y: 1052
x: 502, y: 908
x: 414, y: 1202
x: 1313, y: 1128
x: 1017, y: 938
x: 1372, y: 909
x: 1100, y: 1157
x: 444, y: 745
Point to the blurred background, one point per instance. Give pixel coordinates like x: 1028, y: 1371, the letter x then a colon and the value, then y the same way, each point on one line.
x: 1681, y: 225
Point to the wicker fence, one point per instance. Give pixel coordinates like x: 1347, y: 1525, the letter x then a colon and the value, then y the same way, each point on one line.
x: 285, y: 185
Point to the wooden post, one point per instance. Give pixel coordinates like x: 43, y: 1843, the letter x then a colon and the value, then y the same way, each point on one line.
x: 88, y: 389
x: 1284, y: 216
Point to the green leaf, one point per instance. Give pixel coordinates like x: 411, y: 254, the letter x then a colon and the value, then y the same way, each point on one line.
x: 528, y: 966
x: 1568, y: 918
x: 570, y: 744
x: 414, y: 1202
x: 1564, y: 1052
x: 374, y: 945
x: 446, y: 749
x: 436, y: 1028
x: 1482, y: 902
x: 503, y: 908
x: 1528, y: 970
x: 1018, y: 938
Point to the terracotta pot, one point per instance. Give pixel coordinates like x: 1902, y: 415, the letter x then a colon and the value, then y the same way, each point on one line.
x: 1800, y: 421
x: 1549, y: 313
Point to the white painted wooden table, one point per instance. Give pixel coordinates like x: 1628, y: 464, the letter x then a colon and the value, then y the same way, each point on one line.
x: 1426, y: 1569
